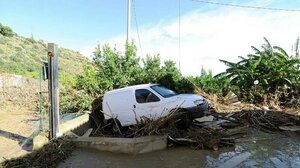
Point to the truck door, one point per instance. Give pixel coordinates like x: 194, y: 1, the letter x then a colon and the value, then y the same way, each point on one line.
x: 147, y: 104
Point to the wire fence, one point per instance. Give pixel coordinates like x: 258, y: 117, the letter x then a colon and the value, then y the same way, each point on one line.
x: 24, y: 114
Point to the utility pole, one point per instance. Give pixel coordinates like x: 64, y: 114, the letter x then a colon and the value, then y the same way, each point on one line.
x: 179, y: 34
x: 53, y: 91
x: 128, y: 20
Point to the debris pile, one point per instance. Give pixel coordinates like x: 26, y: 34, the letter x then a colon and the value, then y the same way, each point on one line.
x: 229, y: 120
x: 200, y: 133
x: 145, y: 126
x: 268, y: 121
x: 210, y: 132
x: 48, y: 156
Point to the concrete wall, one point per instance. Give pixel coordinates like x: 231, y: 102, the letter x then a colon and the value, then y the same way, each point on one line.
x: 124, y: 145
x: 77, y: 125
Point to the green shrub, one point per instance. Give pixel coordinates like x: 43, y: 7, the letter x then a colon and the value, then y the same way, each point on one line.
x: 73, y: 101
x: 211, y: 84
x: 114, y: 70
x: 31, y: 40
x: 6, y: 31
x: 184, y: 85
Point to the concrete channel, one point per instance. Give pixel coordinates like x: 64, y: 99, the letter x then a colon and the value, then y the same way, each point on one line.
x: 79, y: 129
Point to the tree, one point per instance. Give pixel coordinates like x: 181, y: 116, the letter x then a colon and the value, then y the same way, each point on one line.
x: 115, y: 70
x: 170, y: 68
x: 112, y: 70
x: 151, y: 69
x: 88, y: 81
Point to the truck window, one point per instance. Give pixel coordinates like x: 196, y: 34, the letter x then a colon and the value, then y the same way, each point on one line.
x: 164, y: 92
x: 145, y: 96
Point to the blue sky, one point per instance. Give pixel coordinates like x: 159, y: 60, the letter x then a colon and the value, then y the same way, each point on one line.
x: 208, y: 32
x: 80, y: 22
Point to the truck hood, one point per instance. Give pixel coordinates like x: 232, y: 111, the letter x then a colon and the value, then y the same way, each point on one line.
x: 189, y: 97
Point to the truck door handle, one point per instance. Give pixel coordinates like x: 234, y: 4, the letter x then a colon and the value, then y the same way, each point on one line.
x: 134, y: 106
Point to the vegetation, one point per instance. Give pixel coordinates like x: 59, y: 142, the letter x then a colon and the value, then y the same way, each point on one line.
x: 24, y: 56
x: 114, y: 70
x: 268, y: 73
x: 6, y: 31
x: 212, y: 84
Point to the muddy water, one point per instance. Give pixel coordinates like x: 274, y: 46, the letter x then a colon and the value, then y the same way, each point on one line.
x: 257, y: 149
x: 260, y: 149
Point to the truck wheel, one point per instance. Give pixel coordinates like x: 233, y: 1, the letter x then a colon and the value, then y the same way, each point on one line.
x: 97, y: 117
x: 184, y: 121
x: 115, y: 126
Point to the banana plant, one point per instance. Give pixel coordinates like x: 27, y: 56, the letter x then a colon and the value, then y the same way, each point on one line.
x: 271, y: 66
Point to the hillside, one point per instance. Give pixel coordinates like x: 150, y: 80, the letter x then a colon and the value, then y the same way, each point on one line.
x: 24, y: 56
x: 20, y: 64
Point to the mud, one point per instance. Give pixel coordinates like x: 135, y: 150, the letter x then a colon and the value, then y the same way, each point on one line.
x: 15, y: 131
x: 256, y: 149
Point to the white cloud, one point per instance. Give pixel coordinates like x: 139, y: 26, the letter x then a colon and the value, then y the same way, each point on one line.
x: 207, y: 36
x: 88, y: 51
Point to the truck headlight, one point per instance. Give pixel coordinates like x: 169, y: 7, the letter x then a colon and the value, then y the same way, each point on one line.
x: 199, y: 102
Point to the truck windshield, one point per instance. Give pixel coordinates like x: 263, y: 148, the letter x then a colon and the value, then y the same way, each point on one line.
x: 164, y: 92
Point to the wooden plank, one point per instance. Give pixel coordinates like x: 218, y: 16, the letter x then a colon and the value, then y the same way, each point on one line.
x: 88, y: 132
x: 290, y: 128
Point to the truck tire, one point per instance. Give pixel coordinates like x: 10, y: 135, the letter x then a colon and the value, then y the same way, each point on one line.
x: 96, y: 116
x: 184, y: 121
x: 115, y: 126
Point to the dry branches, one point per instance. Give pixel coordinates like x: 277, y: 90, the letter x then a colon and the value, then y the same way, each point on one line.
x: 48, y: 156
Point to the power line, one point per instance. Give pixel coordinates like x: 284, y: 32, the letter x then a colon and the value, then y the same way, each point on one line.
x: 248, y: 6
x: 137, y: 27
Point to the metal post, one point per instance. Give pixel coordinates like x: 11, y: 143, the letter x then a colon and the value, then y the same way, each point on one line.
x: 53, y: 90
x: 40, y: 99
x: 128, y: 20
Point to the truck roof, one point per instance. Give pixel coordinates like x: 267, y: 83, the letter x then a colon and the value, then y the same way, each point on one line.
x: 130, y: 88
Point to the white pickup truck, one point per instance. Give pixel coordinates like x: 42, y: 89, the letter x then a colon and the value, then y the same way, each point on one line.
x: 127, y: 105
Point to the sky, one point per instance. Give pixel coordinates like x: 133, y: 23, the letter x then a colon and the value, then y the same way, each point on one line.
x: 208, y: 32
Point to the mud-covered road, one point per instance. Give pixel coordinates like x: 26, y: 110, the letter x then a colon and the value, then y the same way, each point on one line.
x: 15, y: 130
